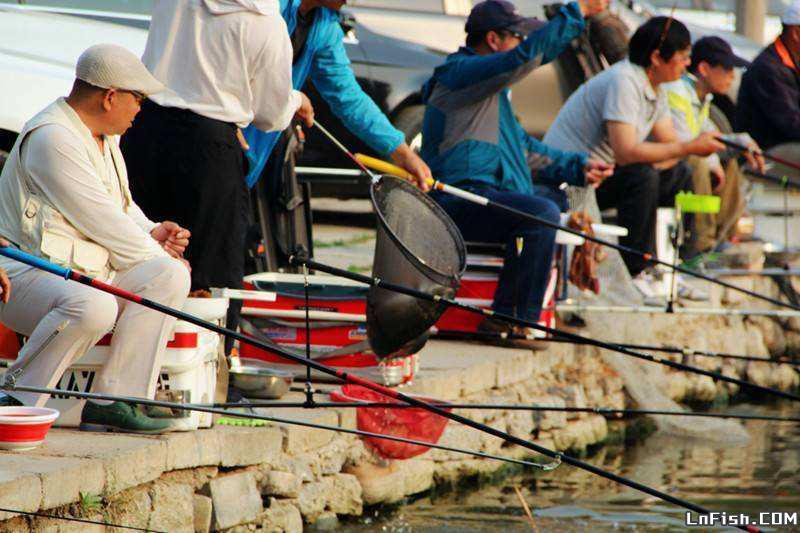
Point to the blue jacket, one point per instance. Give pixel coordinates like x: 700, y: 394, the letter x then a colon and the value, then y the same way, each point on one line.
x: 470, y: 137
x: 325, y: 60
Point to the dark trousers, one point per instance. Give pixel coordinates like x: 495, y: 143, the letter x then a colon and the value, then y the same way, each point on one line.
x: 636, y: 191
x: 190, y: 169
x: 523, y: 280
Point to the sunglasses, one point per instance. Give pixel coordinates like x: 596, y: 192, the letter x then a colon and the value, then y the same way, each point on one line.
x: 511, y: 33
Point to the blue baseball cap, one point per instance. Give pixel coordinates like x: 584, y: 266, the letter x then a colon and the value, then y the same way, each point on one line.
x: 494, y: 15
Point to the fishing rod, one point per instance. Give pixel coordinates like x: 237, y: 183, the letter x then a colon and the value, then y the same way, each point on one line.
x: 376, y: 282
x: 606, y: 411
x: 765, y: 155
x: 81, y: 520
x: 68, y: 274
x: 783, y: 181
x: 266, y: 418
x: 364, y: 162
x: 481, y: 336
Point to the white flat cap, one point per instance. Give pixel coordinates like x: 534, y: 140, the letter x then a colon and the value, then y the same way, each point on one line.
x: 111, y: 66
x: 791, y: 17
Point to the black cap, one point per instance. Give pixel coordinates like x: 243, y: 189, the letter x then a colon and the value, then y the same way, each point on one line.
x: 716, y: 51
x: 494, y: 15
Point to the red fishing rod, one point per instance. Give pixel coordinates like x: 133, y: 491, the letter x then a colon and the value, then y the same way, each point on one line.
x: 69, y: 274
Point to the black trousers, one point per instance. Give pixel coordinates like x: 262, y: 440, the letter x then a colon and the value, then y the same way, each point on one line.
x: 190, y: 169
x: 636, y: 191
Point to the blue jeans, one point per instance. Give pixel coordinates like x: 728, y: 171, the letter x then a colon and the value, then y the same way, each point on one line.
x: 523, y: 280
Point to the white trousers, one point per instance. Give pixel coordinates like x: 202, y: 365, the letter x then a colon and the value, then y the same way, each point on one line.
x: 41, y: 302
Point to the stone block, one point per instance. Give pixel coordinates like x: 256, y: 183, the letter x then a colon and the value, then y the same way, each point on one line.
x: 418, y: 476
x: 172, y: 507
x: 305, y: 467
x: 333, y: 455
x: 313, y: 498
x: 130, y: 507
x: 62, y: 478
x: 280, y: 484
x: 299, y: 439
x: 192, y: 449
x: 235, y: 500
x: 196, y: 478
x: 458, y: 436
x: 202, y: 507
x: 21, y: 491
x: 520, y: 424
x: 345, y: 497
x: 281, y: 517
x: 515, y: 368
x: 242, y: 446
x: 547, y: 420
x: 327, y: 521
x: 478, y: 377
x: 127, y: 460
x: 774, y: 337
x: 379, y: 483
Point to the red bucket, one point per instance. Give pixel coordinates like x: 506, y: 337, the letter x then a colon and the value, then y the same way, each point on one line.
x: 410, y: 422
x: 24, y: 428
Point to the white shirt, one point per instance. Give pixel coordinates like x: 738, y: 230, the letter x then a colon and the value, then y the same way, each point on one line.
x: 59, y: 168
x: 223, y: 59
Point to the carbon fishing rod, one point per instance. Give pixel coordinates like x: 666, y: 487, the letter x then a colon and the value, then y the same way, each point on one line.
x: 482, y: 336
x: 783, y: 181
x: 606, y: 411
x: 266, y: 418
x: 364, y: 162
x: 376, y: 282
x: 775, y: 158
x: 68, y: 274
x: 81, y: 520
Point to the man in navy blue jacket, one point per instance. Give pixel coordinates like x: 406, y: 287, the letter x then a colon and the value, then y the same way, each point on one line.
x: 768, y: 106
x: 472, y: 140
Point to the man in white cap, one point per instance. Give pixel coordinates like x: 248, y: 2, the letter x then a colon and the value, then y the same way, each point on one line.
x: 768, y: 106
x: 64, y: 197
x: 227, y: 63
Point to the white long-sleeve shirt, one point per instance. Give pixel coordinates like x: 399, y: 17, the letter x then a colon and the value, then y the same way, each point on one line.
x: 228, y: 60
x: 59, y: 168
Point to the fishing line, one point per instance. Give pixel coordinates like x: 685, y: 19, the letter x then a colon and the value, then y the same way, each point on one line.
x: 82, y: 520
x: 100, y: 285
x: 481, y: 336
x: 527, y: 323
x: 363, y: 162
x: 252, y: 416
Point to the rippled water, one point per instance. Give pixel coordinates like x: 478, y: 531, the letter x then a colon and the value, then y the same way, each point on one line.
x: 763, y: 475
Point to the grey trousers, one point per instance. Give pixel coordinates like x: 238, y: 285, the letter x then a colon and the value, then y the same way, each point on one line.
x: 41, y: 303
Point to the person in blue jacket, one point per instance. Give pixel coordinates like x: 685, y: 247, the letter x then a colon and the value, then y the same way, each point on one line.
x: 471, y: 139
x: 319, y: 54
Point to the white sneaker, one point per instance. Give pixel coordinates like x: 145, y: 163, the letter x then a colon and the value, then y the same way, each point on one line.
x: 688, y: 291
x: 651, y: 289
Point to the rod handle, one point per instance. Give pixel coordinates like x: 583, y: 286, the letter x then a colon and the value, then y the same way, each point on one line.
x: 384, y: 167
x: 36, y: 262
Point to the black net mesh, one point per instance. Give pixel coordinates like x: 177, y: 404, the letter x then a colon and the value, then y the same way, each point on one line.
x: 420, y: 227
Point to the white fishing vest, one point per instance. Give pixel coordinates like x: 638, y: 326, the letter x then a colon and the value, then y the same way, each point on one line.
x: 31, y: 222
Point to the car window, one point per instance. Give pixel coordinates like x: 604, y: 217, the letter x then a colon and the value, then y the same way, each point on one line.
x: 430, y: 6
x: 116, y: 6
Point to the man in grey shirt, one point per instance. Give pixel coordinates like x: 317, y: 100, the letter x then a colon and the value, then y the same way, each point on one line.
x: 622, y: 116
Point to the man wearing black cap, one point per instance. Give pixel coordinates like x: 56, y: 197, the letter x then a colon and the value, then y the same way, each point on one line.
x: 711, y: 72
x: 472, y: 139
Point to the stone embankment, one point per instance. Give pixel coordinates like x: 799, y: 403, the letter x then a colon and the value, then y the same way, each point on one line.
x: 285, y: 478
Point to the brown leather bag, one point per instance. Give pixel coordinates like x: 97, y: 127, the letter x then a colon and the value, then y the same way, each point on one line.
x: 586, y: 257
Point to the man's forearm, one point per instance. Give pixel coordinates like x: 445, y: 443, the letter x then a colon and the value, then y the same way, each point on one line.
x: 651, y: 152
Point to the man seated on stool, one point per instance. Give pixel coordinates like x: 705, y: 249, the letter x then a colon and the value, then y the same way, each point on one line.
x: 64, y: 197
x: 622, y: 116
x: 471, y: 139
x: 710, y: 73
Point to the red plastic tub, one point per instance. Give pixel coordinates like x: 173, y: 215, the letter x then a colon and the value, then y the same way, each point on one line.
x: 24, y: 428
